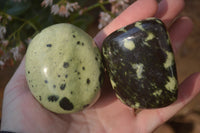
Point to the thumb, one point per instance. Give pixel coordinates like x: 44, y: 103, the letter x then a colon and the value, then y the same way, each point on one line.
x: 17, y: 83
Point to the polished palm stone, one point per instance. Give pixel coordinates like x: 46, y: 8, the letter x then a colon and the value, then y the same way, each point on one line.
x: 64, y: 68
x: 141, y: 65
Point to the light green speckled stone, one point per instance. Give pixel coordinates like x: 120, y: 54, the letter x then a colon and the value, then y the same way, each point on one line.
x: 63, y: 69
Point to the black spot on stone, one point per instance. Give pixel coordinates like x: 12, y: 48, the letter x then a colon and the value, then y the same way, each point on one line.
x: 53, y: 98
x: 65, y: 64
x: 66, y: 76
x: 49, y: 45
x: 79, y: 78
x: 62, y: 86
x: 58, y: 76
x: 46, y: 81
x: 78, y: 42
x: 88, y: 81
x: 82, y: 43
x: 32, y: 85
x: 54, y: 86
x: 74, y: 36
x: 28, y: 72
x: 71, y: 92
x: 83, y: 68
x: 40, y: 98
x: 84, y: 106
x: 78, y: 73
x: 66, y: 104
x: 96, y: 58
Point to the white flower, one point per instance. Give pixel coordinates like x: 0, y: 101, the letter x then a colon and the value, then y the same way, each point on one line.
x: 72, y: 6
x: 16, y: 53
x: 5, y: 43
x: 63, y: 11
x: 46, y: 3
x: 55, y: 9
x: 2, y: 32
x: 118, y: 6
x: 1, y: 63
x: 105, y: 18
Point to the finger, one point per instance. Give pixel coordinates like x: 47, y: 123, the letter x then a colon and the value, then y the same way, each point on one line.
x: 169, y: 9
x: 179, y: 31
x: 139, y: 10
x: 18, y: 79
x: 155, y: 117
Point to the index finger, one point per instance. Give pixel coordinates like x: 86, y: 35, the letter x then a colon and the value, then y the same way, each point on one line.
x: 141, y: 9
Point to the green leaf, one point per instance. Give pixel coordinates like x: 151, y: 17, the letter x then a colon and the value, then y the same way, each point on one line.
x: 2, y: 3
x: 83, y: 21
x: 16, y: 8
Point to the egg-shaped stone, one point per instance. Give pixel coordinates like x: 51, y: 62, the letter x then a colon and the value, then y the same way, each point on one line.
x: 141, y: 66
x: 64, y: 68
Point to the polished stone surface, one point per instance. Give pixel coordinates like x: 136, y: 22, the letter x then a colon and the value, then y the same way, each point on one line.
x: 64, y: 69
x: 141, y: 64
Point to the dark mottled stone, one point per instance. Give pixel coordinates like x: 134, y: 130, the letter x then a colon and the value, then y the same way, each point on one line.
x: 141, y: 66
x: 66, y: 104
x: 65, y: 64
x: 101, y: 76
x: 62, y: 86
x: 49, y: 45
x: 53, y: 98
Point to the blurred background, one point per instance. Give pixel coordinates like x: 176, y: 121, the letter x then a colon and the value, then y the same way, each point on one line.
x: 20, y: 20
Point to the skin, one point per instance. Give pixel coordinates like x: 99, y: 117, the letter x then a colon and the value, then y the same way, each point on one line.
x: 22, y: 113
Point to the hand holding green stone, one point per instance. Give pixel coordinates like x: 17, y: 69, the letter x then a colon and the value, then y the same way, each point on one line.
x: 63, y: 67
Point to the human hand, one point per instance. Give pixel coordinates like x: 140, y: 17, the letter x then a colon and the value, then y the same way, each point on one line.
x: 22, y: 113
